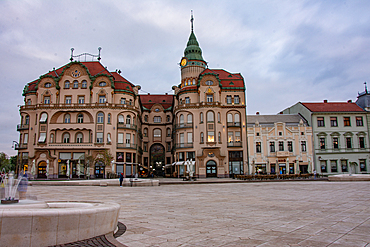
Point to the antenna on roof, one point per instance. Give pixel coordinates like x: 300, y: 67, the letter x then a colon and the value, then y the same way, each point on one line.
x: 192, y: 20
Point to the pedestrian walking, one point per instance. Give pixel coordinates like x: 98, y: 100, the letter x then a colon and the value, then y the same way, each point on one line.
x: 120, y: 179
x: 314, y: 174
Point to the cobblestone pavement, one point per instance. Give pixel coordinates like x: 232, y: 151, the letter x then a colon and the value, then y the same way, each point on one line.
x: 295, y: 213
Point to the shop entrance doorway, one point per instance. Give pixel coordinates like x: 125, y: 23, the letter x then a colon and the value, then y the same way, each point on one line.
x: 211, y: 169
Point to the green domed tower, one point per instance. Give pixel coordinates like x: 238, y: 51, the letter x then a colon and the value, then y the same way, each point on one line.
x: 192, y: 63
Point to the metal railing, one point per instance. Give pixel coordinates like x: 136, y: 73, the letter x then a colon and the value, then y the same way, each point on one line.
x: 22, y: 127
x: 183, y: 125
x: 126, y: 145
x: 234, y: 144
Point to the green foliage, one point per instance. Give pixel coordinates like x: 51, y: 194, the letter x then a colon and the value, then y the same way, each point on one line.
x: 6, y: 163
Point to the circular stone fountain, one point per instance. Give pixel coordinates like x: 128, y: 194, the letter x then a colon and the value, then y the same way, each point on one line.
x: 33, y: 223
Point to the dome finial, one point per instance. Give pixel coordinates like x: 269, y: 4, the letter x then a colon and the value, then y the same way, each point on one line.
x: 192, y: 20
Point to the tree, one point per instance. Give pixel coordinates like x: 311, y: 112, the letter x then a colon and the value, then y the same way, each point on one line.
x: 5, y: 163
x: 104, y: 157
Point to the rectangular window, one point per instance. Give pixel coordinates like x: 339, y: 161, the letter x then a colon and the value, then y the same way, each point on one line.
x: 281, y: 146
x: 42, y: 137
x: 236, y: 99
x: 102, y: 99
x: 99, y: 137
x: 181, y: 138
x: 157, y: 119
x: 333, y: 166
x: 187, y: 100
x: 120, y: 138
x: 237, y: 136
x: 363, y: 166
x: 303, y: 146
x: 211, y: 136
x: 322, y: 143
x: 128, y: 138
x: 348, y: 142
x: 25, y: 139
x: 128, y: 159
x: 344, y: 165
x: 47, y: 100
x: 209, y: 97
x: 359, y: 121
x: 168, y: 146
x: 323, y: 166
x: 361, y: 142
x: 145, y: 147
x: 347, y: 121
x: 123, y: 101
x: 290, y: 146
x: 333, y: 122
x: 190, y: 137
x: 320, y: 122
x: 68, y: 99
x: 258, y: 147
x: 272, y: 147
x: 81, y: 99
x: 335, y: 143
x: 228, y: 99
x: 230, y: 136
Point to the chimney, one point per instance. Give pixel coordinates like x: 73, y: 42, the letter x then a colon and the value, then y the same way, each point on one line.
x: 258, y: 113
x: 148, y: 93
x: 349, y: 101
x: 166, y: 93
x: 325, y: 101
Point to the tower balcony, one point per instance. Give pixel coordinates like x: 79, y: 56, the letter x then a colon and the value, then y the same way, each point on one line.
x: 183, y: 125
x: 22, y: 127
x: 126, y: 126
x: 234, y: 144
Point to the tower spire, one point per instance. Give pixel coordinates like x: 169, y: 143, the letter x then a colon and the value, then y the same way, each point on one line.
x: 192, y: 20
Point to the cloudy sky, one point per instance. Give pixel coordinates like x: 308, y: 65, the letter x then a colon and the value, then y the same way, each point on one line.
x: 286, y: 50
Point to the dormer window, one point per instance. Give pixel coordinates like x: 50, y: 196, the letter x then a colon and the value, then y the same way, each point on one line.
x: 102, y: 84
x: 209, y: 97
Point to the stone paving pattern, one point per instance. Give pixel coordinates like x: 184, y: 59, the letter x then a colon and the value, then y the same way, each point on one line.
x: 294, y: 213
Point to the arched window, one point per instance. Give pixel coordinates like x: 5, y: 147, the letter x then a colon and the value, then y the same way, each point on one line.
x: 210, y: 116
x: 130, y: 103
x: 121, y: 119
x: 229, y: 118
x: 168, y: 118
x: 128, y: 119
x: 201, y: 117
x: 157, y: 133
x: 66, y: 84
x: 201, y: 137
x: 100, y: 119
x: 27, y: 120
x: 109, y: 140
x: 84, y: 84
x: 80, y: 118
x: 190, y: 118
x: 168, y: 132
x: 66, y: 138
x: 43, y: 118
x: 237, y: 118
x: 181, y: 119
x: 67, y: 118
x: 145, y: 132
x: 79, y: 138
x: 109, y: 118
x: 75, y: 84
x: 52, y: 138
x: 146, y: 118
x: 219, y: 117
x: 219, y: 136
x: 123, y: 101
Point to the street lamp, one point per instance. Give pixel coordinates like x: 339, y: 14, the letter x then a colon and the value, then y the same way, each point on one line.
x: 15, y: 145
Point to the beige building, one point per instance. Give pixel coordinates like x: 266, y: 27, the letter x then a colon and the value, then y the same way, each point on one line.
x: 75, y: 114
x: 279, y: 144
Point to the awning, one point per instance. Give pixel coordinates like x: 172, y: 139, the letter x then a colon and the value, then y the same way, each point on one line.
x: 43, y: 118
x: 42, y: 137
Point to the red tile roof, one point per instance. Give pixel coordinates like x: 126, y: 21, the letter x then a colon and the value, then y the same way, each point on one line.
x: 148, y: 100
x: 227, y: 79
x: 333, y: 107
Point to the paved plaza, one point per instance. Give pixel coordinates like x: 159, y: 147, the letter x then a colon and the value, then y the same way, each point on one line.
x: 298, y: 213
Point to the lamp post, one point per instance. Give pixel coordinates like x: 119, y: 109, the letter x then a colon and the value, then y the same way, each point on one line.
x: 15, y: 145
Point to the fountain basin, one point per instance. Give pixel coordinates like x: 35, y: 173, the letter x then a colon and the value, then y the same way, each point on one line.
x: 33, y: 223
x: 348, y: 177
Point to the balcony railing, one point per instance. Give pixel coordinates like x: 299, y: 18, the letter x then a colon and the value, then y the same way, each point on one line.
x: 77, y: 105
x: 126, y: 126
x: 20, y: 146
x: 183, y: 145
x: 233, y: 124
x: 234, y: 144
x: 22, y: 127
x: 183, y: 125
x: 126, y: 145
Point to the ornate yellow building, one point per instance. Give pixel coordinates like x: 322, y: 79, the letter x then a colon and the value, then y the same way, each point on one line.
x: 75, y: 114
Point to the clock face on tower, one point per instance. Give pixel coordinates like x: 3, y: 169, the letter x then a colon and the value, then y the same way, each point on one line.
x: 184, y: 61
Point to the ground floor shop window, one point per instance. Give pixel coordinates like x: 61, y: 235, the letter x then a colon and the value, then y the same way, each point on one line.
x: 323, y: 166
x: 99, y: 170
x: 363, y: 165
x: 303, y: 169
x: 260, y: 169
x: 273, y: 169
x: 41, y: 170
x: 282, y: 168
x: 291, y: 168
x: 333, y: 166
x: 236, y: 163
x: 344, y: 165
